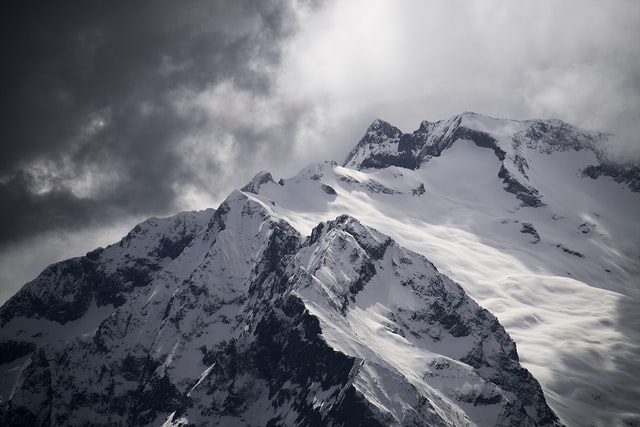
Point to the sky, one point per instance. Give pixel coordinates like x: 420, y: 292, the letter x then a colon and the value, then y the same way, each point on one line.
x: 112, y: 112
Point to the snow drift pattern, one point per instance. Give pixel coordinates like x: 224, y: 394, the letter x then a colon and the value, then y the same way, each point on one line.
x: 253, y: 324
x: 282, y: 307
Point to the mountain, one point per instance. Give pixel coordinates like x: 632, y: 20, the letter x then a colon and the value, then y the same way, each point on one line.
x: 252, y: 323
x: 388, y: 290
x: 385, y: 145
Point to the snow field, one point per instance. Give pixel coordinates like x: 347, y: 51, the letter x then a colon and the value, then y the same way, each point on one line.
x: 562, y: 310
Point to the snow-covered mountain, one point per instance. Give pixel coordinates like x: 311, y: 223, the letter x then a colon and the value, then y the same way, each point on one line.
x: 357, y: 294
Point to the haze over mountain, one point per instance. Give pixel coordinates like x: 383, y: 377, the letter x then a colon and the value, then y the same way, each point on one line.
x: 391, y: 289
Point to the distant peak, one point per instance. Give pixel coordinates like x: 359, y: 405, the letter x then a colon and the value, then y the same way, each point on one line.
x: 378, y: 123
x: 380, y: 127
x: 261, y: 178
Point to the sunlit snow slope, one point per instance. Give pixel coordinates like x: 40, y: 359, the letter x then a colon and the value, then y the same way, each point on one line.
x: 330, y: 298
x: 254, y: 324
x: 514, y: 212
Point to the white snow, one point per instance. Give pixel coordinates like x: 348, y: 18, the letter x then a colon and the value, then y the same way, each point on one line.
x: 569, y: 316
x: 569, y: 301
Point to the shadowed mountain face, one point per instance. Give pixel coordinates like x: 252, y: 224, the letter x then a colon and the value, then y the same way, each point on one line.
x: 240, y: 328
x: 287, y: 306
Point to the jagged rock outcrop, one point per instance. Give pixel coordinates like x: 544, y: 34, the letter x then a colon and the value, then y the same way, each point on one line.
x: 285, y: 307
x: 251, y: 323
x: 384, y: 145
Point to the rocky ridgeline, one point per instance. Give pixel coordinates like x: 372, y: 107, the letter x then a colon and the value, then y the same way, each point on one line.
x: 228, y: 317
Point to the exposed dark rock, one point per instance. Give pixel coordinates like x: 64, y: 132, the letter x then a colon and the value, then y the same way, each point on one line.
x: 412, y: 150
x: 11, y: 350
x: 585, y: 228
x: 529, y: 196
x: 287, y: 354
x: 81, y: 281
x: 260, y: 351
x: 628, y: 175
x: 481, y: 139
x: 380, y: 161
x: 173, y: 248
x: 372, y: 247
x: 377, y: 187
x: 570, y: 251
x: 254, y: 185
x: 94, y: 255
x: 329, y: 190
x: 528, y: 228
x: 419, y: 190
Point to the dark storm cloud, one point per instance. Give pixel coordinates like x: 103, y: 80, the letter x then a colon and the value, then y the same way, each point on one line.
x: 89, y: 125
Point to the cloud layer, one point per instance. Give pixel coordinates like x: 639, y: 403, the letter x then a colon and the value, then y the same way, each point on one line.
x: 115, y: 112
x: 574, y: 60
x: 119, y: 109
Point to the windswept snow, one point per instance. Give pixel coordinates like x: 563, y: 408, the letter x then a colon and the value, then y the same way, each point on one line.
x: 566, y: 299
x: 179, y: 300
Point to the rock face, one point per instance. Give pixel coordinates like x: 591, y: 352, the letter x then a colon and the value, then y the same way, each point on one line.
x: 384, y: 145
x: 315, y: 300
x: 65, y: 291
x: 233, y: 318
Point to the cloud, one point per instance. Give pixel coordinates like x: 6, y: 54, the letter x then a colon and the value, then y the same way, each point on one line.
x: 115, y: 112
x: 413, y: 60
x: 92, y: 129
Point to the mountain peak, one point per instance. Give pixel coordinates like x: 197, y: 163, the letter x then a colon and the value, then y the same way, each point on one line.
x: 317, y: 301
x: 384, y: 145
x: 259, y: 179
x: 381, y: 127
x: 512, y: 141
x: 251, y: 325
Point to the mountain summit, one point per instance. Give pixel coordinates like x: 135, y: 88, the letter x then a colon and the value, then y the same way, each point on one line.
x: 390, y: 290
x: 512, y: 142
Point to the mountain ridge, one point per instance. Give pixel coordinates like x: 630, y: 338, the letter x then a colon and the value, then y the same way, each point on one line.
x: 165, y: 322
x: 307, y: 300
x: 385, y: 145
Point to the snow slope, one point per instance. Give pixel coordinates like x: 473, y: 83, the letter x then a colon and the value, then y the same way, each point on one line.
x: 327, y: 299
x: 252, y: 324
x: 561, y: 275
